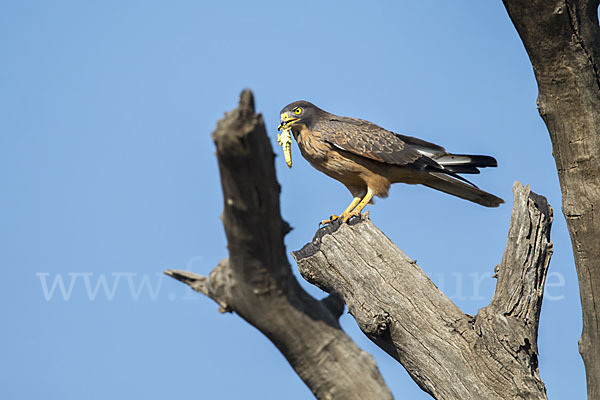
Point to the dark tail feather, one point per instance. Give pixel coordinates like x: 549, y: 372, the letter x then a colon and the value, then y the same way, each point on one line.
x: 465, y: 163
x: 453, y: 186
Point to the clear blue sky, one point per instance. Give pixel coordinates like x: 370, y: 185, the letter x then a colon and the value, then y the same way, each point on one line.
x: 108, y: 172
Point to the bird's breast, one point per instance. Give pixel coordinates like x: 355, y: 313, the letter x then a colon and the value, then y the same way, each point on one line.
x: 324, y: 157
x: 311, y: 144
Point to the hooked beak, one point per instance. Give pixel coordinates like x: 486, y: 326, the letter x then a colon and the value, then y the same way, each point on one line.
x: 286, y: 120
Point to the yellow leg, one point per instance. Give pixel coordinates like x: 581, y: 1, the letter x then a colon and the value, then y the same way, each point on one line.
x: 347, y: 211
x: 351, y: 207
x: 356, y: 211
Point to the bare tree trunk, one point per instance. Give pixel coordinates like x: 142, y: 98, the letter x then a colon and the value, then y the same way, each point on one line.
x: 449, y: 354
x: 562, y: 38
x: 256, y: 280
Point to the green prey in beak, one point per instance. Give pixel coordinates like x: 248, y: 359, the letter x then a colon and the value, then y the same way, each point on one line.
x: 285, y: 138
x: 286, y: 121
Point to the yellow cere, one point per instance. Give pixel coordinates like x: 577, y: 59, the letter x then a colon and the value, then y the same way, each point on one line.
x: 285, y: 141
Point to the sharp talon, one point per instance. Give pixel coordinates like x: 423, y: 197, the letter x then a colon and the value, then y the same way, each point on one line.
x: 331, y: 219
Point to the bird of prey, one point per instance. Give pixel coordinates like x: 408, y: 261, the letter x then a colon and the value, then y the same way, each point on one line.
x: 367, y: 159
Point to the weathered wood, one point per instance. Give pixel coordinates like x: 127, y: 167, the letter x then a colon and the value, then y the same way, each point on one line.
x: 562, y: 39
x: 256, y: 280
x: 449, y: 354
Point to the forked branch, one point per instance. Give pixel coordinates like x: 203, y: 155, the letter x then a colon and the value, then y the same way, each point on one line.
x: 451, y: 355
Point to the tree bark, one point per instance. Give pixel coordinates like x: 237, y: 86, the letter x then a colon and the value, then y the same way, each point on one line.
x: 449, y: 354
x: 256, y: 281
x: 562, y: 39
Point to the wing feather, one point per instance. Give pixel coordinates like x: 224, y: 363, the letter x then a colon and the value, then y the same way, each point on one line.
x: 369, y: 140
x: 427, y: 148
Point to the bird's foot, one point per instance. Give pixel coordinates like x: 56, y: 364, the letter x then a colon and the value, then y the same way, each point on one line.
x: 345, y: 217
x: 348, y: 216
x: 330, y: 220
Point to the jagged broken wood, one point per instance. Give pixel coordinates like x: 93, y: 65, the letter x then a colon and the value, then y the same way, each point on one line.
x: 256, y: 281
x: 449, y: 354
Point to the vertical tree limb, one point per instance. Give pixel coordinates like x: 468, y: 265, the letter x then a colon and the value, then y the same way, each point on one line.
x: 256, y: 280
x: 562, y: 39
x: 449, y: 354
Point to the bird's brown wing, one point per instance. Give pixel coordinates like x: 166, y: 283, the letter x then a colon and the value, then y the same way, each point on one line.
x: 369, y: 140
x: 424, y: 147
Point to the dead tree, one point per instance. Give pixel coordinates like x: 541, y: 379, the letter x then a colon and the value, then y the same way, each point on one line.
x: 256, y: 281
x: 449, y: 354
x: 562, y: 39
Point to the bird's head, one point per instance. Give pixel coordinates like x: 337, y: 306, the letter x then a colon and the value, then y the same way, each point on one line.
x: 297, y: 113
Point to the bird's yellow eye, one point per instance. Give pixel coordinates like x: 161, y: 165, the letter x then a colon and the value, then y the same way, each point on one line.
x: 297, y: 111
